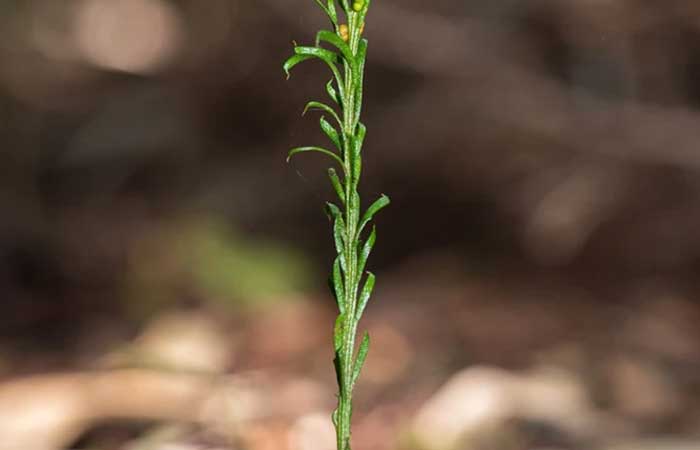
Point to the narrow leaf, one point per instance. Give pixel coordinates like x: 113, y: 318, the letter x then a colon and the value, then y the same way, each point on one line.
x: 333, y: 211
x: 330, y: 11
x: 361, y: 358
x: 332, y: 93
x: 338, y: 229
x: 366, y: 250
x: 331, y: 132
x: 366, y: 294
x: 355, y: 164
x: 335, y: 181
x: 293, y: 61
x: 337, y: 282
x: 339, y: 237
x: 381, y: 203
x: 354, y: 208
x: 317, y: 52
x: 297, y: 150
x: 338, y: 332
x: 337, y: 42
x: 360, y: 137
x: 323, y: 107
x: 327, y: 56
x: 359, y: 70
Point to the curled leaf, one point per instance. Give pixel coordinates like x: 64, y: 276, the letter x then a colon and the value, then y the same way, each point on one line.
x: 331, y: 132
x: 338, y: 229
x: 293, y: 61
x: 381, y: 203
x: 332, y: 93
x: 313, y: 105
x: 298, y: 150
x: 327, y: 56
x: 337, y: 42
x: 335, y: 181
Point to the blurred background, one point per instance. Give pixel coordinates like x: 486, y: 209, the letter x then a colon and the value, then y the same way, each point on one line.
x: 162, y: 269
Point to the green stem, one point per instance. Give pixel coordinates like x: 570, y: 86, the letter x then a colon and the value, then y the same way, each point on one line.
x: 347, y: 225
x: 351, y: 245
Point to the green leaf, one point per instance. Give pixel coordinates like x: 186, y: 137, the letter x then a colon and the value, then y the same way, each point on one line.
x: 323, y: 107
x: 332, y: 12
x: 293, y: 61
x: 339, y: 332
x: 327, y: 56
x: 332, y: 93
x: 337, y: 282
x: 381, y: 203
x: 329, y: 9
x: 366, y: 294
x: 333, y: 211
x: 337, y: 42
x: 354, y: 208
x: 335, y: 181
x: 359, y: 70
x: 361, y: 357
x: 355, y: 167
x: 339, y: 236
x: 366, y: 250
x: 338, y: 229
x: 360, y: 137
x: 297, y: 150
x: 331, y: 132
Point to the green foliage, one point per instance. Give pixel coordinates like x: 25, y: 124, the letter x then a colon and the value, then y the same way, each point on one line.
x: 344, y: 51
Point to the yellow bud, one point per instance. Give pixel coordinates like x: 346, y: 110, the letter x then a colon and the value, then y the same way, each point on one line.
x: 358, y: 5
x: 344, y: 32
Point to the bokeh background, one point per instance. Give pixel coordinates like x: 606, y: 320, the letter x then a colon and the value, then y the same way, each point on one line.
x: 162, y: 269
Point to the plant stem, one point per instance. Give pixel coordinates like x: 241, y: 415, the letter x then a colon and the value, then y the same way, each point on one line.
x: 352, y: 251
